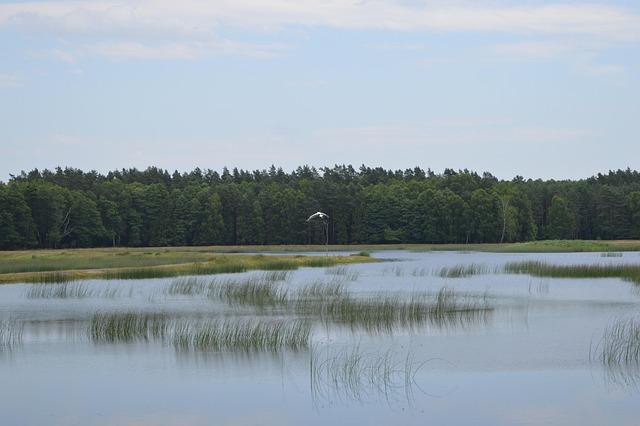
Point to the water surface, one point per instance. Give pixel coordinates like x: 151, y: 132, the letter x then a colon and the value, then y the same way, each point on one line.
x: 527, y: 362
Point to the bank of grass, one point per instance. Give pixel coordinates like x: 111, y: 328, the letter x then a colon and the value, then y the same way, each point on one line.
x: 546, y: 246
x: 543, y: 269
x: 58, y: 266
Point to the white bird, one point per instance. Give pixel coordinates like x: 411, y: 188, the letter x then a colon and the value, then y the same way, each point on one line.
x: 318, y: 215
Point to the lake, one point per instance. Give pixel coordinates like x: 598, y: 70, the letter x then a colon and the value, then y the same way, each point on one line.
x: 420, y: 338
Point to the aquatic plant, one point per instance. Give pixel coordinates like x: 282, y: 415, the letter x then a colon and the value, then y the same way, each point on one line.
x: 10, y: 333
x: 349, y: 274
x: 357, y: 375
x: 620, y: 343
x: 419, y: 272
x: 127, y: 326
x: 541, y: 269
x: 254, y: 291
x: 187, y: 286
x: 462, y: 270
x: 321, y: 290
x: 58, y: 291
x: 242, y: 335
x: 384, y: 312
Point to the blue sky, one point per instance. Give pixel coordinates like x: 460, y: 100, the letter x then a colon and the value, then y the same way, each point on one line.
x: 534, y: 88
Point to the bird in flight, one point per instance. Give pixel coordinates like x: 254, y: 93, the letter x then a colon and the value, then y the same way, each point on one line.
x: 318, y: 215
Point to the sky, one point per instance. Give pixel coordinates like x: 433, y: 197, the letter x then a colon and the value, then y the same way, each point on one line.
x: 541, y: 89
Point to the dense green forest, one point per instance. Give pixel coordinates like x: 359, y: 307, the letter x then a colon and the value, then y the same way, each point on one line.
x: 71, y: 208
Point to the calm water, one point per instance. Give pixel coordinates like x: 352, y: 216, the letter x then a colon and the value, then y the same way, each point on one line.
x: 527, y: 362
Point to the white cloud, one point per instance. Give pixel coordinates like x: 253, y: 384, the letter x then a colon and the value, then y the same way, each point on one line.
x: 62, y: 55
x: 536, y: 49
x: 198, y: 19
x: 180, y: 50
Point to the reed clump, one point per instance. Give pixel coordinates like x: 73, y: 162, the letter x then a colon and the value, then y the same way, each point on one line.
x: 349, y: 274
x: 243, y: 335
x: 384, y: 312
x: 620, y: 344
x: 357, y: 375
x: 58, y: 291
x: 462, y: 270
x: 541, y: 269
x: 255, y: 292
x: 321, y: 290
x: 10, y: 333
x: 128, y: 326
x: 261, y: 290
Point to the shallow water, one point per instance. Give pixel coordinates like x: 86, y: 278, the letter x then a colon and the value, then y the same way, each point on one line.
x: 527, y: 362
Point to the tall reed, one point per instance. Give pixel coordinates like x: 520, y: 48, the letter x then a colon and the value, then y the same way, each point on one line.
x: 541, y: 269
x: 128, y: 326
x: 355, y: 375
x: 243, y: 335
x: 10, y: 333
x: 620, y: 344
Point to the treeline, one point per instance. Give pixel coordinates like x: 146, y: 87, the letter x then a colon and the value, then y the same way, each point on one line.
x: 71, y: 208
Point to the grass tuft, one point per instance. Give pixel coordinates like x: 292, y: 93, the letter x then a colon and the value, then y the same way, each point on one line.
x: 542, y: 269
x: 356, y: 375
x: 245, y: 335
x: 462, y: 271
x: 620, y: 344
x: 10, y: 333
x: 127, y: 326
x: 387, y: 313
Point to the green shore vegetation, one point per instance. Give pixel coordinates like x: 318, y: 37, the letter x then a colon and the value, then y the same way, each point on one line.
x: 55, y: 266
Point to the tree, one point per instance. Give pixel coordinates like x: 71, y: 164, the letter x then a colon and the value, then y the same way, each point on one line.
x: 562, y: 222
x: 633, y: 206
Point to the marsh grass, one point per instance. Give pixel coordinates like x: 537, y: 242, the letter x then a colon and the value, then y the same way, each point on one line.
x: 321, y: 290
x: 210, y: 265
x: 620, y: 344
x: 128, y: 327
x: 259, y: 291
x: 49, y: 278
x: 56, y: 260
x: 347, y: 273
x: 354, y: 375
x: 10, y: 333
x: 255, y: 292
x: 396, y: 270
x: 462, y: 270
x: 76, y: 290
x: 419, y: 272
x: 387, y: 313
x: 58, y: 291
x: 276, y: 276
x: 363, y: 253
x: 242, y: 335
x: 542, y: 269
x: 187, y: 286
